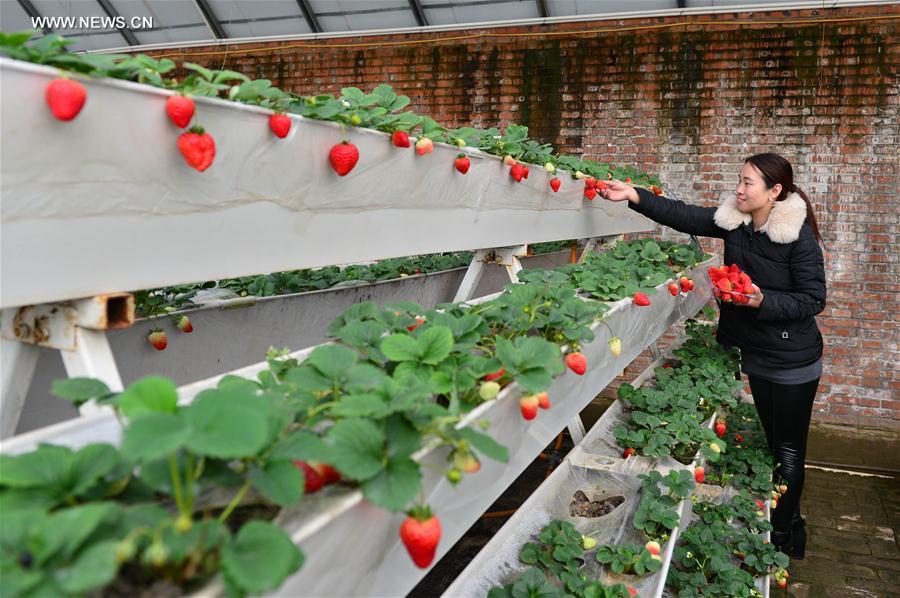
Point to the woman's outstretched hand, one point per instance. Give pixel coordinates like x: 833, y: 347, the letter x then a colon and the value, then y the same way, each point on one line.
x: 619, y: 191
x: 756, y: 299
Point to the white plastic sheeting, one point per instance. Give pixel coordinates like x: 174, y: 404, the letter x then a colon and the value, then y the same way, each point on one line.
x: 106, y: 203
x: 353, y: 548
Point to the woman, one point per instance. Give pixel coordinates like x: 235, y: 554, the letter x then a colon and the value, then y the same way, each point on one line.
x: 770, y: 232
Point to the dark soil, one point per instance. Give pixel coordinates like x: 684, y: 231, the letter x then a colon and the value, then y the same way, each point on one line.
x: 582, y: 506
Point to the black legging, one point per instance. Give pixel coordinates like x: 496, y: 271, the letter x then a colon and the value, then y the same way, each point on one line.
x: 785, y: 411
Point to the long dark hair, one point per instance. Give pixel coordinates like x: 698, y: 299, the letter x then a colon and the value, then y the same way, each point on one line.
x: 775, y: 169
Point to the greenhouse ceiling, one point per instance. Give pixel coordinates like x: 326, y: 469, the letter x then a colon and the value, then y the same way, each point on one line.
x: 124, y: 24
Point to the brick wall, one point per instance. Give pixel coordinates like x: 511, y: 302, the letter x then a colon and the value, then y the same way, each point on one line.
x: 688, y: 102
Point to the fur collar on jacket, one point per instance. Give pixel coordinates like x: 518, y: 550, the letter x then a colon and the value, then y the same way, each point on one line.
x: 784, y: 223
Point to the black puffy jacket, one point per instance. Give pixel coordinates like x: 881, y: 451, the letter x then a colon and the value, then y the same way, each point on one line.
x: 783, y: 259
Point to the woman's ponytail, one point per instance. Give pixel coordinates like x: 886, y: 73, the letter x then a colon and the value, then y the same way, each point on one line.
x: 810, y: 214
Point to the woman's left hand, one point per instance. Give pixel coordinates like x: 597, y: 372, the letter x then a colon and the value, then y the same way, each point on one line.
x: 756, y: 299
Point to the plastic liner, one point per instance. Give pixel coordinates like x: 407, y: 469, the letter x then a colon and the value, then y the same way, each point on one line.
x: 498, y: 562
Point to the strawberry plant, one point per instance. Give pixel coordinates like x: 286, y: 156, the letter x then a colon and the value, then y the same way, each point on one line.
x: 657, y: 515
x: 628, y: 559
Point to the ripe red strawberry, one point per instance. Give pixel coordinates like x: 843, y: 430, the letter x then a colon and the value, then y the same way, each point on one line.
x: 543, y: 400
x: 628, y: 179
x: 656, y: 190
x: 462, y: 163
x: 419, y: 321
x: 600, y: 186
x: 421, y: 533
x: 198, y: 148
x: 524, y: 172
x: 496, y: 375
x: 517, y: 172
x: 577, y: 363
x: 734, y: 268
x: 400, y: 138
x: 783, y: 489
x: 589, y: 182
x: 673, y: 289
x: 590, y: 193
x: 641, y: 299
x: 653, y: 547
x: 760, y: 504
x: 65, y: 97
x: 631, y: 591
x: 555, y: 183
x: 724, y: 284
x: 424, y: 145
x: 699, y: 474
x: 343, y: 157
x: 782, y: 583
x: 280, y: 125
x: 184, y: 324
x: 529, y: 406
x: 720, y: 428
x: 312, y: 481
x: 686, y: 284
x: 628, y: 452
x: 738, y: 438
x: 158, y: 339
x: 180, y: 110
x: 328, y: 473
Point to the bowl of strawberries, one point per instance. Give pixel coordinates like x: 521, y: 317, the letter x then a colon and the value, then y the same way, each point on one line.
x: 730, y: 284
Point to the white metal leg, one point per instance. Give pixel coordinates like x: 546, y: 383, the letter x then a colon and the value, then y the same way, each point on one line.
x: 472, y: 277
x: 92, y: 358
x: 18, y: 363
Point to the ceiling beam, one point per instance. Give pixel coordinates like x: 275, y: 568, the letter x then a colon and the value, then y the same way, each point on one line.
x: 111, y: 12
x: 542, y: 8
x: 418, y: 12
x: 310, y: 16
x: 210, y: 17
x: 32, y: 12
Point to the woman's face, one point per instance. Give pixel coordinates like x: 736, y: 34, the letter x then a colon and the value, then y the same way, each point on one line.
x: 751, y: 191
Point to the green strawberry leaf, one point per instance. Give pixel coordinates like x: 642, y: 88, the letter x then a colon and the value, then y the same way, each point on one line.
x: 485, y: 444
x: 227, y: 423
x: 395, y: 485
x: 279, y: 481
x: 79, y: 390
x: 152, y: 394
x: 357, y: 448
x: 154, y: 435
x: 260, y: 557
x: 94, y: 568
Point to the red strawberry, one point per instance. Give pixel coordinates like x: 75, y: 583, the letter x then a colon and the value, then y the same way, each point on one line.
x: 724, y: 284
x: 462, y: 163
x: 312, y: 481
x: 590, y: 193
x: 782, y: 583
x: 577, y: 363
x: 641, y: 299
x: 734, y: 268
x: 496, y: 375
x: 400, y: 138
x: 656, y: 189
x: 328, y: 473
x: 421, y: 533
x: 158, y: 339
x: 686, y: 284
x: 65, y: 97
x: 673, y: 289
x: 180, y: 110
x: 554, y: 184
x: 589, y: 182
x: 517, y: 172
x: 720, y: 428
x: 699, y: 474
x: 198, y: 148
x: 524, y: 172
x: 529, y: 406
x: 653, y: 547
x: 628, y: 179
x: 280, y: 125
x: 600, y: 185
x: 419, y: 321
x: 184, y: 323
x: 738, y: 438
x: 783, y: 489
x: 760, y: 504
x: 343, y: 157
x: 734, y: 278
x: 543, y: 400
x: 631, y: 591
x: 628, y: 452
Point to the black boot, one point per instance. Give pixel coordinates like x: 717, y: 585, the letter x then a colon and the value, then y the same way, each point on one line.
x: 791, y: 542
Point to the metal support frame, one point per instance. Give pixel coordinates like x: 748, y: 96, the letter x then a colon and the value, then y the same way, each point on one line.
x: 418, y: 12
x: 111, y: 12
x: 77, y: 329
x: 209, y: 17
x: 310, y: 16
x: 32, y: 12
x: 542, y: 8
